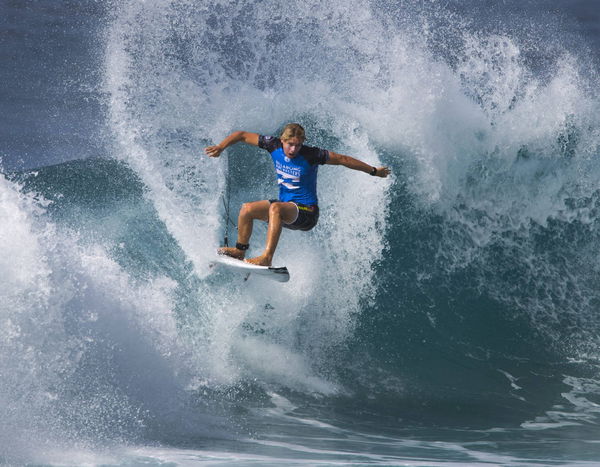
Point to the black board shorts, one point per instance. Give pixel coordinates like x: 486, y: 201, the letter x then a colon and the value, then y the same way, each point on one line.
x: 308, y: 216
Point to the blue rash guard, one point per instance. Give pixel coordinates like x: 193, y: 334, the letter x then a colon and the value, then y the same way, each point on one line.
x: 297, y: 177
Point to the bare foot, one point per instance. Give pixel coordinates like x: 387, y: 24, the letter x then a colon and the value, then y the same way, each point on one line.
x: 261, y: 260
x: 233, y: 252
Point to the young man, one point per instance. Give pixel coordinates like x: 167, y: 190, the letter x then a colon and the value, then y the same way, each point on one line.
x: 296, y: 166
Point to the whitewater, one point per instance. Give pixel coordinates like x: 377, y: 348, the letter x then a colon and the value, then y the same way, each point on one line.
x: 446, y: 315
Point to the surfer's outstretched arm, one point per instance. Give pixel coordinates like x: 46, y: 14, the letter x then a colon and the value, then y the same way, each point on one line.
x: 355, y: 164
x: 233, y: 138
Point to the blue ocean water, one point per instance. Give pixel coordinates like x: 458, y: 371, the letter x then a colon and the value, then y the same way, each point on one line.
x: 447, y: 315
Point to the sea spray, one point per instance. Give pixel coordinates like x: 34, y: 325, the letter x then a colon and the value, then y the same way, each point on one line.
x: 175, y: 87
x: 89, y: 355
x: 460, y: 292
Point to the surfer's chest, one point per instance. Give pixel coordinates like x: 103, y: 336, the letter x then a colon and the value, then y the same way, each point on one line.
x: 296, y: 167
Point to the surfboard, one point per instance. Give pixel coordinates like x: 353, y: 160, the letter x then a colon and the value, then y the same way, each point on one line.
x: 279, y: 274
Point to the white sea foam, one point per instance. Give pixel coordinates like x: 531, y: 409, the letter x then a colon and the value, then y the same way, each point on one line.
x: 478, y: 136
x: 477, y: 139
x: 174, y: 88
x: 83, y: 346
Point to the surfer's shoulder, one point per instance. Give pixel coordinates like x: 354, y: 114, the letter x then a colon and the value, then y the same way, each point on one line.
x: 270, y: 143
x: 314, y: 155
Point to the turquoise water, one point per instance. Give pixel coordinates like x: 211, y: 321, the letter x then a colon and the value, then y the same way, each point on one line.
x: 446, y: 315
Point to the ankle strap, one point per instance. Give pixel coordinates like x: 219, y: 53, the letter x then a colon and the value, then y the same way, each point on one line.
x: 242, y: 246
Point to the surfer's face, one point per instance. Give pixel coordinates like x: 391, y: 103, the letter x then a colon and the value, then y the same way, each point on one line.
x: 292, y: 146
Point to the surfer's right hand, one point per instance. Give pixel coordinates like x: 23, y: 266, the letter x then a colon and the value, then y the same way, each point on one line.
x: 213, y: 151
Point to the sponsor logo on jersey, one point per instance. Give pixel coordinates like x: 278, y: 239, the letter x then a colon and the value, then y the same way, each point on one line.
x: 286, y: 169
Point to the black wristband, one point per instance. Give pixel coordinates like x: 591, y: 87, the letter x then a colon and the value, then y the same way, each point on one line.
x: 373, y: 171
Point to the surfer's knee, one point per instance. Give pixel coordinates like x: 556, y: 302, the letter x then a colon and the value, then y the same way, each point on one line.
x: 246, y: 210
x: 275, y: 209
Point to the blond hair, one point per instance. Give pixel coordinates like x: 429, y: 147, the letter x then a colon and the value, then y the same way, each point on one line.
x: 292, y: 130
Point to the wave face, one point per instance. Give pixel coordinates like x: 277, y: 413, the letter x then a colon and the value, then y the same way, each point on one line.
x: 461, y: 292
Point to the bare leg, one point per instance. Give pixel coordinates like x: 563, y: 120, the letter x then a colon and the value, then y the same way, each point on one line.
x: 248, y: 212
x: 278, y: 213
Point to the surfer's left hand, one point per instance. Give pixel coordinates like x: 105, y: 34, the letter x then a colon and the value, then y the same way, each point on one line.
x: 382, y: 172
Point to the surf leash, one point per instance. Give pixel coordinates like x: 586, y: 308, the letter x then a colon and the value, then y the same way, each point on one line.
x: 226, y: 206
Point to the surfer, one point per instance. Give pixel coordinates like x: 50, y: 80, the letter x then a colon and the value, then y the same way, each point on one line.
x: 297, y: 207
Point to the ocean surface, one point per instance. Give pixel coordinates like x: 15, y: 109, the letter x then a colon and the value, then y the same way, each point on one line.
x: 448, y: 315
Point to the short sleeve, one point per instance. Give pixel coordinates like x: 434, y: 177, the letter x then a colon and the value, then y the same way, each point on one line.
x: 315, y: 156
x: 270, y: 143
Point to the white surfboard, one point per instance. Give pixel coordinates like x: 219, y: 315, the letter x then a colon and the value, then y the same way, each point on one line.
x: 280, y: 274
